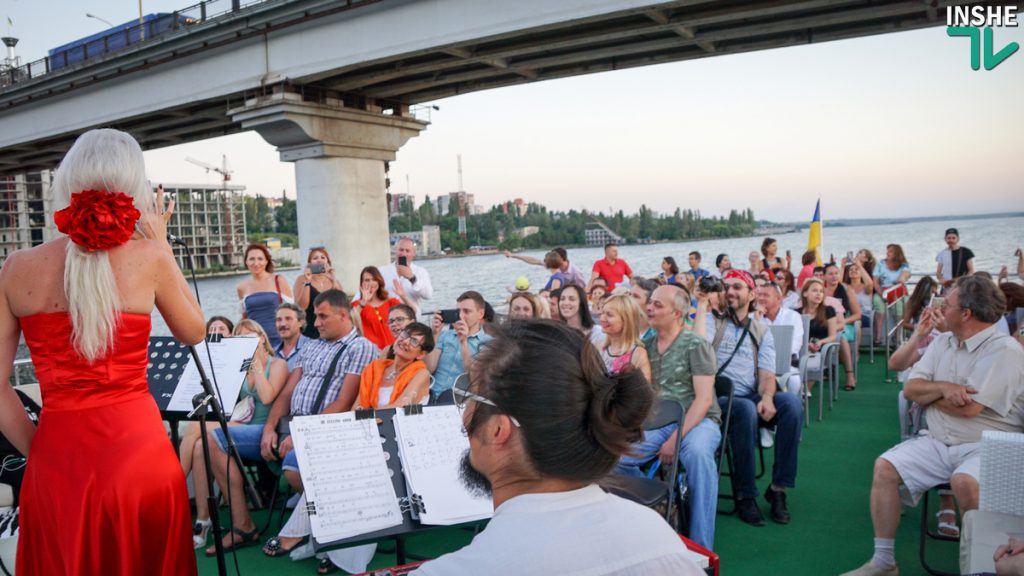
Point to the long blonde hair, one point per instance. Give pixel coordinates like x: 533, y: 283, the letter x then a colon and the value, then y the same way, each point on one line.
x: 111, y: 161
x: 627, y: 309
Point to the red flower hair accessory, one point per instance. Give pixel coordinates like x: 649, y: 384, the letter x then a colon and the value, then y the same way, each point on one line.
x: 98, y: 220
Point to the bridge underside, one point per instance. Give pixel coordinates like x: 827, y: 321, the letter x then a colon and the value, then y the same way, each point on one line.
x: 668, y: 32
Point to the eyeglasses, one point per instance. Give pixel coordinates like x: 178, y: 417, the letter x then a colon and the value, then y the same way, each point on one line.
x: 399, y: 320
x: 461, y: 393
x: 405, y: 335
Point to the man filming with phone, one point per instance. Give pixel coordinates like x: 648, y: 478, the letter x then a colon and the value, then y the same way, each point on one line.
x: 414, y: 278
x: 457, y: 344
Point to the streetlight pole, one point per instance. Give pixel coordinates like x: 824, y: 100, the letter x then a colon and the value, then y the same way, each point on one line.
x: 142, y: 27
x: 95, y: 17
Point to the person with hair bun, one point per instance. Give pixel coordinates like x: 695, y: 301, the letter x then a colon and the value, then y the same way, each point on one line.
x: 103, y: 492
x: 545, y: 424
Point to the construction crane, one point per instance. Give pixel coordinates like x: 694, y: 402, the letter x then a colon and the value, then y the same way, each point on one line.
x: 223, y: 171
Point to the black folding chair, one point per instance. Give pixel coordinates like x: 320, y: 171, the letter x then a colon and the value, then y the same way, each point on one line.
x: 655, y: 492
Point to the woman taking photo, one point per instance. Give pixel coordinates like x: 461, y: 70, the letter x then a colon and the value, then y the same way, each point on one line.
x: 103, y: 492
x: 263, y: 291
x: 265, y: 379
x: 573, y: 310
x: 317, y: 277
x: 374, y: 304
x: 620, y: 322
x: 404, y: 380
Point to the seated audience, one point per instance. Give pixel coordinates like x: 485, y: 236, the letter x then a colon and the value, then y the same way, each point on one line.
x: 683, y: 369
x: 289, y: 319
x: 848, y: 313
x: 971, y: 379
x: 790, y: 295
x: 641, y: 292
x: 773, y: 313
x: 822, y: 329
x: 859, y: 286
x: 263, y: 382
x: 456, y: 345
x: 695, y: 270
x: 622, y: 348
x: 399, y: 316
x: 595, y: 300
x: 545, y: 423
x: 220, y: 325
x: 573, y: 310
x: 402, y: 380
x: 527, y: 307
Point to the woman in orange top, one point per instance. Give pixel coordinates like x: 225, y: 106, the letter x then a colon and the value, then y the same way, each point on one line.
x: 405, y: 380
x: 374, y: 303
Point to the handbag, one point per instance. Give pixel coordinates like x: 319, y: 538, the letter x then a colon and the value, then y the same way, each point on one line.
x: 243, y: 410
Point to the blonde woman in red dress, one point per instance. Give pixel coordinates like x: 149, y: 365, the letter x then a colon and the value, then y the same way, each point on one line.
x: 103, y: 491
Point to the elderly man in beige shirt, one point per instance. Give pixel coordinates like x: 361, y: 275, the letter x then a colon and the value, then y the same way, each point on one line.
x: 970, y: 379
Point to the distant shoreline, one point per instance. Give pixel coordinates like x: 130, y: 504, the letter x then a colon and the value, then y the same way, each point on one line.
x: 843, y: 222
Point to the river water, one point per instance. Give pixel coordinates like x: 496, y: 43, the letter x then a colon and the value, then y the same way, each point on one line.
x: 992, y: 240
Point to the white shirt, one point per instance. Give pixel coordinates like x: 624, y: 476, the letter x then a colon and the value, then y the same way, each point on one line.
x: 791, y: 300
x: 787, y: 317
x: 421, y: 290
x: 582, y: 532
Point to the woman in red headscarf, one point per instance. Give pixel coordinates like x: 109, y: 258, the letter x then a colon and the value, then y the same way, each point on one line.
x: 103, y: 491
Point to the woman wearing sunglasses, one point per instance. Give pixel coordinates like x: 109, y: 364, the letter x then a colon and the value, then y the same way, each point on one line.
x: 405, y: 380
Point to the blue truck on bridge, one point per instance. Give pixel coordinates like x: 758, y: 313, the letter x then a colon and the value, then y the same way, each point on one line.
x: 115, y: 39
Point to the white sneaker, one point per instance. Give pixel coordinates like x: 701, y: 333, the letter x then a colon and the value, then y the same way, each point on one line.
x: 870, y: 569
x: 767, y: 438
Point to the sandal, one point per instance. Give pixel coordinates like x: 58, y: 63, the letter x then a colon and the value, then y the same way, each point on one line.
x: 199, y: 531
x: 274, y: 549
x: 239, y: 539
x: 948, y: 528
x: 848, y: 387
x: 325, y: 566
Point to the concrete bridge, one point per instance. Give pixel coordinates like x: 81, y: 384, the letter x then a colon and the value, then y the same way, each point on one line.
x: 331, y: 84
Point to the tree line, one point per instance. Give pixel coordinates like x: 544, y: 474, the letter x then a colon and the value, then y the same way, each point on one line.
x: 500, y: 225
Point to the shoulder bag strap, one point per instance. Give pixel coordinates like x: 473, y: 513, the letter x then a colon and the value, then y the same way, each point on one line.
x: 746, y: 330
x: 327, y: 381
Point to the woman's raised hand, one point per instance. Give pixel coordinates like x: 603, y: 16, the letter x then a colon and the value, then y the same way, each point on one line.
x: 154, y: 224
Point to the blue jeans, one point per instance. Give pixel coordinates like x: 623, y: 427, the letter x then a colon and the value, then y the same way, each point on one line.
x: 247, y: 439
x: 743, y: 439
x: 697, y: 455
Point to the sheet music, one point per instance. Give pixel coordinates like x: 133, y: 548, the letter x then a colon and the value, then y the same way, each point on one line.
x: 345, y: 475
x: 431, y: 446
x: 230, y: 363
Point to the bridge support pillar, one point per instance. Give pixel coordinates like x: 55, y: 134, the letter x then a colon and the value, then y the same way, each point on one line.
x: 339, y: 156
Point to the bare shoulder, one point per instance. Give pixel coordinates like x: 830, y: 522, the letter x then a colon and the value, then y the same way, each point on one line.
x: 37, y: 262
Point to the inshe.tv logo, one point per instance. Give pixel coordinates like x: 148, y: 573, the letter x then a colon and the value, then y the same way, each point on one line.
x: 976, y: 23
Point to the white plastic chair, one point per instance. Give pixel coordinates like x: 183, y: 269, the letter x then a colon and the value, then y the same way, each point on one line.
x: 819, y: 366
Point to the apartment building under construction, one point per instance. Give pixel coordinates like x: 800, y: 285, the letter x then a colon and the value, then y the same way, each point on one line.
x: 210, y: 218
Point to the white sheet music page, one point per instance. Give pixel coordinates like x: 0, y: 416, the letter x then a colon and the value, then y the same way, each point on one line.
x: 230, y: 356
x: 345, y: 474
x: 431, y: 445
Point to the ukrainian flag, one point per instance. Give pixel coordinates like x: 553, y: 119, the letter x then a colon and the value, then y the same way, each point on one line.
x: 814, y: 234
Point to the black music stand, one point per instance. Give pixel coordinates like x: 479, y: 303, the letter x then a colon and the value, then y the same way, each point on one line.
x: 167, y: 361
x: 410, y: 525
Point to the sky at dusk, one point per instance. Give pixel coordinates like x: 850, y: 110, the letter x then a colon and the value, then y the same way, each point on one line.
x: 892, y: 125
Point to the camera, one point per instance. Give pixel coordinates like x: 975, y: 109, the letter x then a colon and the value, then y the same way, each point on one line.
x: 709, y: 284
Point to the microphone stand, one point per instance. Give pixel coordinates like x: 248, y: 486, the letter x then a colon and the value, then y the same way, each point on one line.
x: 204, y: 403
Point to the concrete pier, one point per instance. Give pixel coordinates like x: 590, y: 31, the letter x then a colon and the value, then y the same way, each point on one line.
x: 339, y: 156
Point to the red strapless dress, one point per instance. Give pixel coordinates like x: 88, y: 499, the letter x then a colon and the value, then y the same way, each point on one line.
x: 103, y: 490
